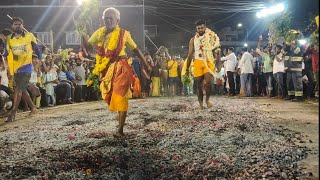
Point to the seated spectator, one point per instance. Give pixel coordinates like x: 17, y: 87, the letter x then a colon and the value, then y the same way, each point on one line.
x: 5, y: 92
x: 4, y: 80
x: 32, y: 88
x: 65, y: 88
x: 50, y: 81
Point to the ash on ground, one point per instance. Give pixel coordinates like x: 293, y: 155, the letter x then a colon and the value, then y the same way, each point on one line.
x: 166, y: 139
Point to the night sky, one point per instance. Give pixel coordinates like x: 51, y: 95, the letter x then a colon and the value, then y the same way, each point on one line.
x: 175, y: 18
x: 301, y: 10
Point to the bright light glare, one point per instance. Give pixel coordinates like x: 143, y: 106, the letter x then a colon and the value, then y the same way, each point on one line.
x: 80, y: 2
x: 302, y: 41
x: 271, y: 10
x: 245, y: 45
x: 239, y: 25
x: 258, y: 14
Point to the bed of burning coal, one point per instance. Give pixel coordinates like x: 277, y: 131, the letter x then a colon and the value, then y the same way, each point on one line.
x: 165, y: 139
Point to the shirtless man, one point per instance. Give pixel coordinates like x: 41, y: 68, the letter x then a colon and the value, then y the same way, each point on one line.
x: 204, y: 48
x: 164, y: 57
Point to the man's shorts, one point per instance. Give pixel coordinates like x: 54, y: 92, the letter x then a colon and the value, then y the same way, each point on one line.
x: 173, y: 80
x: 21, y: 80
x: 200, y: 68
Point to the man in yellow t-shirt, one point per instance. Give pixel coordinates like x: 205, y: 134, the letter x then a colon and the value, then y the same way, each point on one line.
x: 173, y: 78
x: 21, y: 45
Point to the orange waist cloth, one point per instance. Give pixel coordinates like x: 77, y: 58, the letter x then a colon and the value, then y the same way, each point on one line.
x: 122, y: 78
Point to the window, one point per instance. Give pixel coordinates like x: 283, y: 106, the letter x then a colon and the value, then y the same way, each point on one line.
x: 73, y: 38
x: 44, y: 37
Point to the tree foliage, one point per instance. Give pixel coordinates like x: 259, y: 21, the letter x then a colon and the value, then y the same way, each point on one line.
x: 279, y: 28
x: 314, y: 39
x: 84, y: 15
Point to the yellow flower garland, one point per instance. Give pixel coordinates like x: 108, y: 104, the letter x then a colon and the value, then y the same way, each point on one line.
x: 211, y: 42
x: 110, y: 42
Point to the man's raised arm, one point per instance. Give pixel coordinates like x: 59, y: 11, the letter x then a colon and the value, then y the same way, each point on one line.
x: 138, y: 53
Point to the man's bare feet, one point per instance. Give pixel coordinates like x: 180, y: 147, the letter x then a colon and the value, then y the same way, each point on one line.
x: 11, y: 117
x: 209, y: 105
x: 117, y: 126
x: 201, y: 106
x: 118, y: 135
x: 33, y: 111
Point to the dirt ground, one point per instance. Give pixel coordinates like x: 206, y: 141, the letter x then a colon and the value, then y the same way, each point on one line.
x: 297, y: 117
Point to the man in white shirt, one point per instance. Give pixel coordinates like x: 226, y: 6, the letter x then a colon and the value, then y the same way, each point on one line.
x: 246, y: 65
x: 80, y: 75
x: 278, y: 71
x: 5, y: 92
x: 230, y: 62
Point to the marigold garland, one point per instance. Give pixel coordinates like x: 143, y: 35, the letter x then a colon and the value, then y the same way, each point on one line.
x: 208, y: 44
x: 110, y: 43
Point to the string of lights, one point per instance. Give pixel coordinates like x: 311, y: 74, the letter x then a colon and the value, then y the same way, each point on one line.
x: 225, y: 8
x: 169, y: 16
x: 176, y: 26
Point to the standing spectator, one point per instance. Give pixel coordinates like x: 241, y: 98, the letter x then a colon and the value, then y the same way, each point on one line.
x: 308, y: 74
x: 80, y: 75
x: 278, y: 71
x: 266, y: 67
x: 246, y: 65
x: 146, y: 80
x: 293, y: 63
x: 50, y: 81
x: 164, y: 58
x: 155, y: 77
x: 173, y: 76
x: 138, y: 77
x: 254, y: 77
x: 261, y: 81
x: 237, y: 89
x: 21, y: 44
x: 314, y: 50
x: 230, y: 67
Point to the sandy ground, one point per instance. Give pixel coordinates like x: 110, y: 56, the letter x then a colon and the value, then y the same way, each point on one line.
x: 297, y: 117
